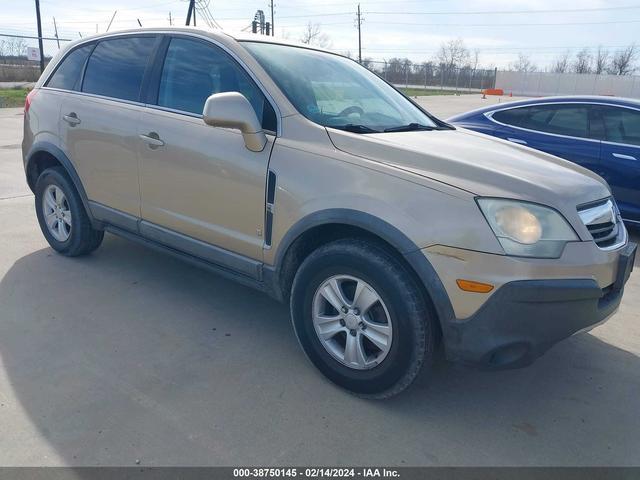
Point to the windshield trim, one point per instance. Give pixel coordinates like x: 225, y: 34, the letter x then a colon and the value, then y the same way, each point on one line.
x: 441, y: 124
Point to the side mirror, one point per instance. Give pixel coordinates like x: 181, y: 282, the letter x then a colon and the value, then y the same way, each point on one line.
x: 233, y: 110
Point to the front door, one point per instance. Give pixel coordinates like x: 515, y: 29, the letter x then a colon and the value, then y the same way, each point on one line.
x: 620, y: 157
x: 200, y: 185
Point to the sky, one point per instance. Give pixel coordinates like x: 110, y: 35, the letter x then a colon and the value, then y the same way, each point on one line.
x: 499, y: 30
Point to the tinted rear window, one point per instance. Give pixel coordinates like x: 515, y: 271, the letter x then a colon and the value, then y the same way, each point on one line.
x: 67, y: 75
x: 117, y: 66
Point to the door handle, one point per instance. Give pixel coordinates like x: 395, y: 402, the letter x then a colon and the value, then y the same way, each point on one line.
x: 71, y: 118
x: 152, y: 139
x: 516, y: 140
x: 623, y: 156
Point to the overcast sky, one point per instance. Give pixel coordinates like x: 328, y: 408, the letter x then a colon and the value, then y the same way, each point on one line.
x: 405, y: 28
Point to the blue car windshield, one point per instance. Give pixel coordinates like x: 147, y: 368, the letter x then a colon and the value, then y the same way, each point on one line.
x: 335, y: 91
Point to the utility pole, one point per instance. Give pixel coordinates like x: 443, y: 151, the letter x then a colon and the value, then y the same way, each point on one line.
x: 170, y: 20
x: 273, y: 29
x: 359, y: 20
x: 40, y: 36
x: 111, y: 21
x: 55, y: 28
x: 191, y: 11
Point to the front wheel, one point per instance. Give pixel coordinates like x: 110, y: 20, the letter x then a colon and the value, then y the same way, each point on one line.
x: 361, y: 318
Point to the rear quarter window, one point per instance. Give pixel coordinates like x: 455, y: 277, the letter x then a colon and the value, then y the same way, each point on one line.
x: 513, y: 116
x: 560, y: 119
x: 67, y: 74
x: 116, y: 67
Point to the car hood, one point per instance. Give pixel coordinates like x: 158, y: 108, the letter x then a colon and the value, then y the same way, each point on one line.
x: 479, y: 164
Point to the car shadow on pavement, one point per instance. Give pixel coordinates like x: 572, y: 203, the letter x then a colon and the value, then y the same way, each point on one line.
x: 128, y: 355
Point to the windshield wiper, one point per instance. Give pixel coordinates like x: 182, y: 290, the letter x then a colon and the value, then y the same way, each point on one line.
x: 410, y: 128
x: 355, y: 128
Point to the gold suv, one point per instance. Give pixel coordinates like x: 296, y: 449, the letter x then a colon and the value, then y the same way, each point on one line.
x: 304, y: 175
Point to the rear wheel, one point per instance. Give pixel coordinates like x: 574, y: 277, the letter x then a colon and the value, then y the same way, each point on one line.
x: 61, y: 215
x: 361, y: 318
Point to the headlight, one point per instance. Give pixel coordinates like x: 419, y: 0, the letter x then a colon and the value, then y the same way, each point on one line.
x: 526, y: 229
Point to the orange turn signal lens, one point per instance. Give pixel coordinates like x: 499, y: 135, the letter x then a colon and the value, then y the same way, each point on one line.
x: 475, y: 287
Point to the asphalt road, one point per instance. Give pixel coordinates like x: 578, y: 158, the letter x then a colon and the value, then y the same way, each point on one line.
x: 128, y: 355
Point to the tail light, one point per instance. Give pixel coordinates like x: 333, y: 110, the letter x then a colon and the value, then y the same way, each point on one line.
x: 28, y: 100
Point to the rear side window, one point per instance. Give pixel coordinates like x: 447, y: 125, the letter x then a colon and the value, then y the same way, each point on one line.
x: 561, y: 119
x: 510, y: 117
x: 67, y: 75
x: 621, y: 125
x: 116, y: 67
x: 193, y: 71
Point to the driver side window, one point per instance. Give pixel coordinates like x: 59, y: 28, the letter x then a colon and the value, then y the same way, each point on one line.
x: 194, y: 70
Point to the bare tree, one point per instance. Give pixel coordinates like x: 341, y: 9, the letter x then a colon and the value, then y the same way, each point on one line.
x: 561, y: 63
x: 623, y: 61
x: 453, y: 54
x: 313, y: 35
x: 583, y: 62
x: 523, y: 64
x: 601, y: 62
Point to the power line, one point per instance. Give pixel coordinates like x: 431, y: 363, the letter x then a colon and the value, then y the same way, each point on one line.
x: 480, y: 12
x: 512, y: 12
x: 34, y: 37
x: 612, y: 22
x: 496, y: 49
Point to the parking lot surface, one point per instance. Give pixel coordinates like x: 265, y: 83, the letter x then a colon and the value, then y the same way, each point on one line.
x: 129, y: 356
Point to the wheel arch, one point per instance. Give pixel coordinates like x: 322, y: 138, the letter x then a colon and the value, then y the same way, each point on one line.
x: 43, y: 155
x: 325, y: 226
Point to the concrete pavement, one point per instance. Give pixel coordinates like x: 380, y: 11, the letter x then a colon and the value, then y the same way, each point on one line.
x: 129, y: 355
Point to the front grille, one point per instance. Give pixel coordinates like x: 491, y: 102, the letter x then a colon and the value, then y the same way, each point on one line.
x: 603, y: 222
x: 604, y: 234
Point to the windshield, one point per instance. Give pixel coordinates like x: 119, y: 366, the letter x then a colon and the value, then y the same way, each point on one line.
x: 337, y: 92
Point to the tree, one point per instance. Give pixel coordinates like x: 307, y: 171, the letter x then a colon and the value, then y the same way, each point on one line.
x: 523, y: 64
x: 561, y: 64
x: 367, y: 62
x: 452, y: 54
x: 601, y: 62
x: 583, y: 62
x: 623, y: 61
x: 313, y: 35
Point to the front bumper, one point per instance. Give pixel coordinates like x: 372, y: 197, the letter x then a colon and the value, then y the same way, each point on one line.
x: 524, y: 318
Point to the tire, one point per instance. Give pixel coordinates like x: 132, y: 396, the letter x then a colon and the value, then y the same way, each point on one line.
x: 410, y: 339
x: 81, y: 237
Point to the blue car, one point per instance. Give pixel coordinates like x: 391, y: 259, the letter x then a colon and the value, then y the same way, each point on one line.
x: 599, y: 133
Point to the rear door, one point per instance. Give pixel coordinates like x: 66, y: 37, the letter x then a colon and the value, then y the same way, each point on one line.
x: 561, y: 129
x: 620, y: 157
x: 99, y: 126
